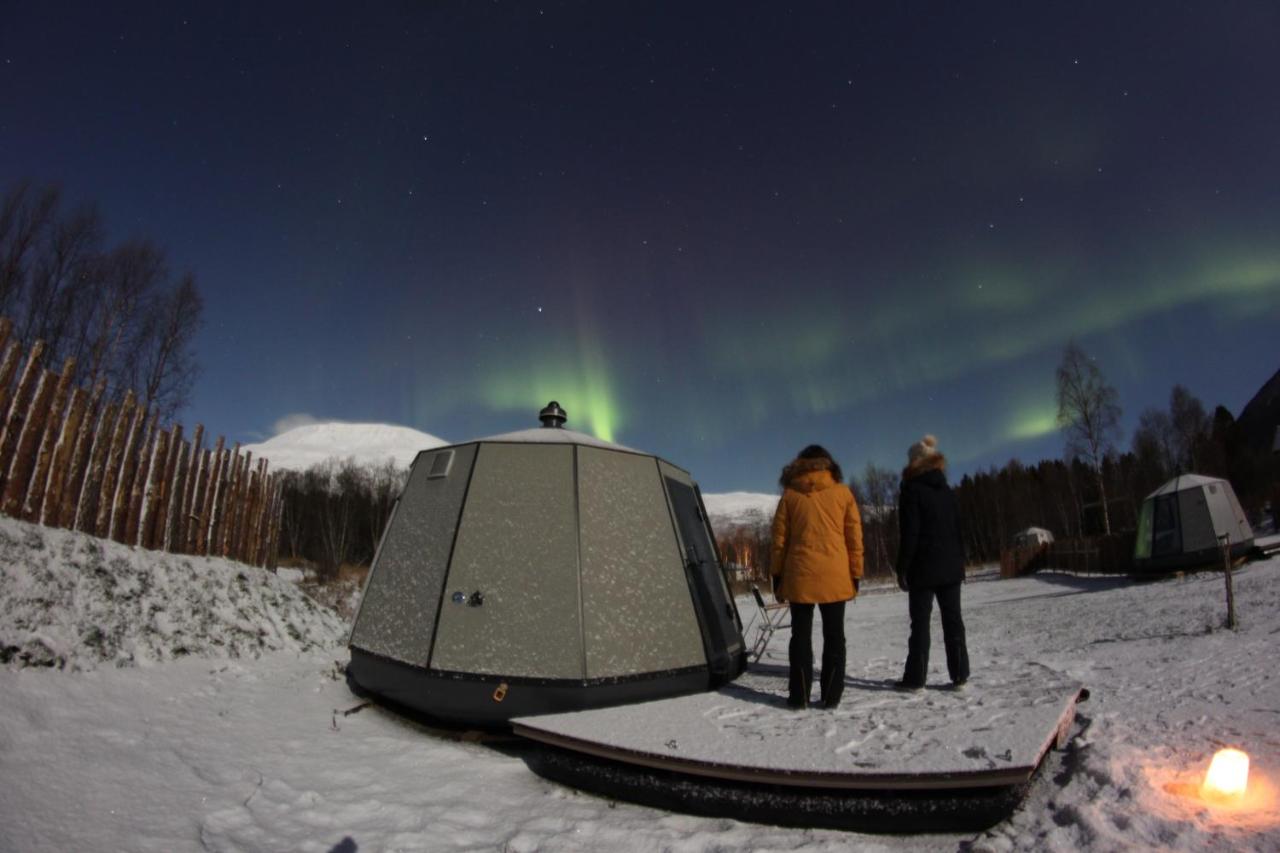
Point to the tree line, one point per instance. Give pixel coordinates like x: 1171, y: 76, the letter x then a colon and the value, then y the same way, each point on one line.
x: 334, y: 513
x: 1094, y: 489
x: 119, y: 310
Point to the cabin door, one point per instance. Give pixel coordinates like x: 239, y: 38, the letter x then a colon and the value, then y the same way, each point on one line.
x: 1166, y: 537
x: 722, y: 631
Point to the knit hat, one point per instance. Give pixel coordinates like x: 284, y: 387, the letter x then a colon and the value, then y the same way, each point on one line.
x: 927, y: 446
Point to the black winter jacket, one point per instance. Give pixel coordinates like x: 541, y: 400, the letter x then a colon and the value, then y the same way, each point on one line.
x: 931, y: 553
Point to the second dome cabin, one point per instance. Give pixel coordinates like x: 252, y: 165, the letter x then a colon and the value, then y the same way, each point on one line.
x: 543, y: 570
x: 1184, y: 523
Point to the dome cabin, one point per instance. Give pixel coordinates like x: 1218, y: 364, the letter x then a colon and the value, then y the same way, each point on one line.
x: 543, y: 570
x: 1032, y: 537
x: 1181, y: 525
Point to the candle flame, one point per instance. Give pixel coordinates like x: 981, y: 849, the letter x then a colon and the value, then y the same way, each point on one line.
x: 1228, y: 776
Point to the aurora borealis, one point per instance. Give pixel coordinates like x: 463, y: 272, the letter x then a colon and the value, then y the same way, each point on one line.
x: 716, y: 232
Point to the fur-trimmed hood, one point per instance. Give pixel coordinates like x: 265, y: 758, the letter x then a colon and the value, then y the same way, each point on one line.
x: 925, y: 464
x: 808, y: 475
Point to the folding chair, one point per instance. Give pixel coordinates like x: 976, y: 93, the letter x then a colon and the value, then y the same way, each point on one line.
x: 772, y: 617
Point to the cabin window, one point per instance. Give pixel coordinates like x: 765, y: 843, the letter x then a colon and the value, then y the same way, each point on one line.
x: 440, y: 465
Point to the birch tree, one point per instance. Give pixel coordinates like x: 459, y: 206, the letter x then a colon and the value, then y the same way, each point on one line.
x: 1089, y: 416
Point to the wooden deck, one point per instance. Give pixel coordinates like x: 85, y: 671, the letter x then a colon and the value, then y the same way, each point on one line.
x: 991, y: 733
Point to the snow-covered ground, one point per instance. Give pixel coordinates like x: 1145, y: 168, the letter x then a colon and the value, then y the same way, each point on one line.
x: 214, y: 752
x: 72, y: 601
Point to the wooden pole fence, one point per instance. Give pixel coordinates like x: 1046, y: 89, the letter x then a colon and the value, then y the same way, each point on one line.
x: 76, y: 458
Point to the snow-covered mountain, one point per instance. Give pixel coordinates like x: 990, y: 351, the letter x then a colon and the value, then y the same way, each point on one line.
x: 373, y: 444
x: 369, y: 444
x: 739, y: 509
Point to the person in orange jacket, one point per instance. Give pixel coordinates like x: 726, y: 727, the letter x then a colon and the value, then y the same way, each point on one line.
x: 816, y: 559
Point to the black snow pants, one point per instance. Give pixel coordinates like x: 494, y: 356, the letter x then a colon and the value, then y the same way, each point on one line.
x: 801, y: 654
x: 921, y: 607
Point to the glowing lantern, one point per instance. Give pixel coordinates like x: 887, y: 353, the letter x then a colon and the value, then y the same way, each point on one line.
x: 1228, y: 775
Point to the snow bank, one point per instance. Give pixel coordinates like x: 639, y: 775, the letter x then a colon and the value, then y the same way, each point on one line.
x: 73, y: 601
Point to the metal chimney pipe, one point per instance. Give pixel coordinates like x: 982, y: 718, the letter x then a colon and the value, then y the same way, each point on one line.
x: 552, y: 416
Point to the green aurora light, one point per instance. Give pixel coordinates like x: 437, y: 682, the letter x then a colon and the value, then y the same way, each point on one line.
x: 834, y: 358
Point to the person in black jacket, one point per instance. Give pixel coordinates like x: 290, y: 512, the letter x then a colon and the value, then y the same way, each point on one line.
x: 930, y: 562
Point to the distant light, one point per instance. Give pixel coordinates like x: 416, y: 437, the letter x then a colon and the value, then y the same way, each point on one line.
x: 1228, y: 776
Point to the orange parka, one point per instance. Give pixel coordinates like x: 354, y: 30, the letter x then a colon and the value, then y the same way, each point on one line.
x: 817, y: 536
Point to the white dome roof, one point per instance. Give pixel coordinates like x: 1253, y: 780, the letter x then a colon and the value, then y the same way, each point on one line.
x: 554, y: 435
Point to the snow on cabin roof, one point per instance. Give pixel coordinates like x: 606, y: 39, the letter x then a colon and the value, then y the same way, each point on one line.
x: 1184, y: 481
x: 553, y: 435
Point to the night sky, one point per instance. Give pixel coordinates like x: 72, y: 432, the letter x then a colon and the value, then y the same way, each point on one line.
x: 715, y: 232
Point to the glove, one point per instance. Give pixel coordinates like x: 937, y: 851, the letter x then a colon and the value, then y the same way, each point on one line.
x: 902, y: 582
x: 777, y: 588
x: 855, y: 586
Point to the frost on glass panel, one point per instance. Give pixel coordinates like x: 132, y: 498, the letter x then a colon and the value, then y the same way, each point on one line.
x: 398, y: 613
x: 511, y: 602
x: 637, y: 612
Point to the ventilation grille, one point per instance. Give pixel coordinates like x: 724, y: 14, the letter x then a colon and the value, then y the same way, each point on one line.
x: 440, y: 465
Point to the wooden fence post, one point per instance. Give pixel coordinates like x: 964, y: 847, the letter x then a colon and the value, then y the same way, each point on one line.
x: 177, y: 498
x: 277, y: 520
x: 18, y: 409
x: 213, y: 498
x: 260, y: 528
x: 189, y: 492
x: 160, y: 535
x: 242, y: 505
x: 133, y: 476
x: 253, y: 507
x: 24, y: 449
x: 75, y: 475
x: 86, y: 513
x: 268, y: 520
x: 199, y: 518
x: 8, y: 367
x: 259, y: 511
x: 236, y: 505
x: 264, y: 520
x: 52, y: 434
x: 227, y: 534
x: 111, y: 473
x: 63, y: 450
x: 1224, y: 542
x: 150, y: 492
x: 227, y: 510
